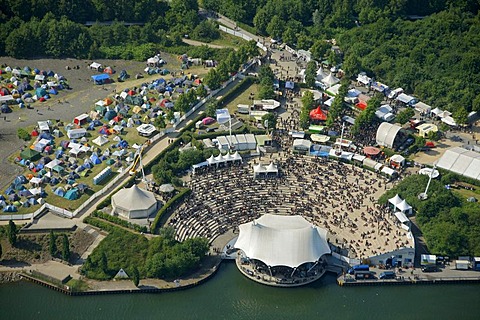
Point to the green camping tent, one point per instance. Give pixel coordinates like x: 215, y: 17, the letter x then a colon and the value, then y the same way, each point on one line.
x: 30, y: 154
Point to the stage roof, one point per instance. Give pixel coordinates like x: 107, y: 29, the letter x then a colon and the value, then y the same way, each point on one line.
x: 282, y: 240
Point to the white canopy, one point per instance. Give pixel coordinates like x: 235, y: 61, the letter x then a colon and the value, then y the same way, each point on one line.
x: 428, y: 172
x: 330, y: 80
x: 401, y: 217
x: 282, y: 240
x: 100, y: 140
x: 405, y: 98
x: 272, y: 168
x: 395, y: 200
x: 386, y: 134
x: 321, y: 74
x: 404, y: 207
x: 461, y: 161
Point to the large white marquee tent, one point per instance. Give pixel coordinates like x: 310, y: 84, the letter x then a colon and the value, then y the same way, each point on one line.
x: 134, y: 203
x: 282, y: 240
x: 387, y: 133
x: 461, y: 161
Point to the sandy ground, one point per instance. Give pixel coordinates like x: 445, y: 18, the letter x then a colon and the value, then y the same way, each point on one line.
x: 72, y: 102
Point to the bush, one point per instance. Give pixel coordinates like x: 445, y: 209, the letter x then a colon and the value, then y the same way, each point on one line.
x: 118, y: 221
x: 23, y: 134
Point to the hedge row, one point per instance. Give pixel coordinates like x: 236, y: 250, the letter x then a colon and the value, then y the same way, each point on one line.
x: 105, y: 226
x: 120, y: 222
x: 169, y: 205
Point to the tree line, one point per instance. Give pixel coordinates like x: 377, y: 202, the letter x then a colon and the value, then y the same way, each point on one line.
x: 449, y: 223
x: 160, y: 257
x: 57, y: 29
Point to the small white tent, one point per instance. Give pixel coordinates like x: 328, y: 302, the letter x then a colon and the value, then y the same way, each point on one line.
x: 121, y: 274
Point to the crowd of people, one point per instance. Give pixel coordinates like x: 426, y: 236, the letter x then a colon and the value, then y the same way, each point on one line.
x: 338, y: 197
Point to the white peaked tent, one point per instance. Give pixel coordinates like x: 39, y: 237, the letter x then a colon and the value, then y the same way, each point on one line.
x: 100, y: 140
x: 237, y: 156
x: 134, y: 203
x: 272, y: 168
x: 321, y: 74
x: 211, y: 160
x: 279, y: 240
x: 404, y: 207
x: 121, y: 274
x: 330, y: 80
x: 395, y: 200
x: 258, y: 170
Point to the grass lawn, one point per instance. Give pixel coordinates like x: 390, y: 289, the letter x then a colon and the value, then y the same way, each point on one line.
x: 465, y: 194
x: 242, y: 98
x: 228, y: 40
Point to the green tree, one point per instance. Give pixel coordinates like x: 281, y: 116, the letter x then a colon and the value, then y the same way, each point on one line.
x: 12, y: 233
x: 311, y: 74
x: 266, y: 75
x: 271, y: 119
x: 276, y: 27
x: 319, y: 49
x: 1, y: 251
x: 182, y: 104
x: 201, y: 91
x: 211, y: 108
x: 135, y: 276
x: 476, y: 103
x: 103, y: 263
x: 461, y: 116
x: 53, y: 244
x: 65, y: 248
x: 405, y: 115
x: 308, y: 101
x: 266, y: 92
x: 160, y: 122
x: 212, y: 79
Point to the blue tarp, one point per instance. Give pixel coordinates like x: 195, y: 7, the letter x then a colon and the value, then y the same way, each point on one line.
x: 99, y: 78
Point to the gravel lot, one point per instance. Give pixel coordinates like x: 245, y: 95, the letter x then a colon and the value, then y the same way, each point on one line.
x: 72, y: 102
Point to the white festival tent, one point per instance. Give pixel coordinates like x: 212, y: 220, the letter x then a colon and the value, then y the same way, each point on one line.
x: 404, y: 207
x: 100, y: 140
x: 330, y: 80
x: 282, y: 240
x: 395, y: 200
x: 134, y: 203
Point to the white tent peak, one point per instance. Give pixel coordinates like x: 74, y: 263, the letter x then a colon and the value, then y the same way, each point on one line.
x: 121, y: 274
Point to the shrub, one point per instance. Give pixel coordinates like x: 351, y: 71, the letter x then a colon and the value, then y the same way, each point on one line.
x: 23, y: 134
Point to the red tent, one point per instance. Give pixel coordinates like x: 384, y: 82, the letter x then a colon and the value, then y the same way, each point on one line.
x: 318, y: 114
x: 42, y: 99
x: 34, y: 133
x: 131, y: 93
x: 361, y: 105
x: 430, y: 144
x: 371, y: 151
x: 117, y: 119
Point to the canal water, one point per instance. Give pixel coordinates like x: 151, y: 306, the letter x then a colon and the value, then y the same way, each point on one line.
x: 229, y: 295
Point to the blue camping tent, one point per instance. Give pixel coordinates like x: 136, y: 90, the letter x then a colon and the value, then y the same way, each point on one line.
x: 109, y: 115
x: 10, y: 208
x: 71, y: 194
x: 40, y: 92
x: 95, y: 159
x: 59, y: 192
